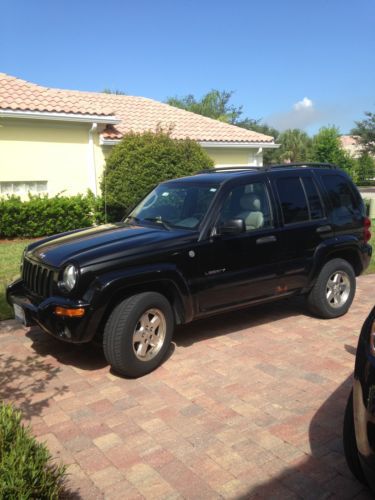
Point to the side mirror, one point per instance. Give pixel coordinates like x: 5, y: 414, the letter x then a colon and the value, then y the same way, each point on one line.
x: 232, y: 226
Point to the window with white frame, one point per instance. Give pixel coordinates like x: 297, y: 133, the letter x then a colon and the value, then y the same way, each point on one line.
x: 23, y: 187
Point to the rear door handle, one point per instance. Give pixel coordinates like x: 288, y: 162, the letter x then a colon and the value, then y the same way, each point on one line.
x: 324, y: 229
x: 266, y: 239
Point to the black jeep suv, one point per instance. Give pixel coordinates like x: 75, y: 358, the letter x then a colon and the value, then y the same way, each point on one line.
x: 193, y: 247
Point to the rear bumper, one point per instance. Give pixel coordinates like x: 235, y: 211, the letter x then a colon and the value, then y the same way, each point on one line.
x: 41, y: 313
x: 365, y: 255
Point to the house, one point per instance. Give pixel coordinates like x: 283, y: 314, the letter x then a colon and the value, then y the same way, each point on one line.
x: 56, y: 141
x: 350, y: 144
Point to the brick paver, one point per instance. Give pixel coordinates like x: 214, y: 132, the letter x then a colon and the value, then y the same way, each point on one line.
x: 248, y: 405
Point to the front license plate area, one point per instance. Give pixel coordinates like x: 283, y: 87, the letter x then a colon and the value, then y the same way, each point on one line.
x: 19, y: 314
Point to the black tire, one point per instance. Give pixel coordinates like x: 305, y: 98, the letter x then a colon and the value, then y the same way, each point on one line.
x: 350, y: 443
x: 124, y: 327
x: 317, y: 299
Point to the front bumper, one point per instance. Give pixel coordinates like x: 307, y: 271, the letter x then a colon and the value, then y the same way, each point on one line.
x: 364, y: 403
x: 41, y: 312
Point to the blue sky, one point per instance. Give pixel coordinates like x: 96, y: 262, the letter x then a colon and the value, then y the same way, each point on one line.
x: 292, y: 63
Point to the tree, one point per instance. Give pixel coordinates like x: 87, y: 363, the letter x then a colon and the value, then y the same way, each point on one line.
x: 295, y: 145
x: 365, y: 131
x: 140, y: 161
x: 326, y: 148
x: 114, y: 92
x: 365, y: 171
x: 269, y: 155
x: 215, y: 104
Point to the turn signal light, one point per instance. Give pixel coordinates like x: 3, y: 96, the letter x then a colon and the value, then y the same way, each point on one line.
x: 69, y: 312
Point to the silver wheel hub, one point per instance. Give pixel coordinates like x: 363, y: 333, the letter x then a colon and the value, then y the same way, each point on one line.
x: 149, y: 334
x: 338, y: 289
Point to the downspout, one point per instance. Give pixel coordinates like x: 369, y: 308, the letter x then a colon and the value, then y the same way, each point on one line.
x: 91, y: 160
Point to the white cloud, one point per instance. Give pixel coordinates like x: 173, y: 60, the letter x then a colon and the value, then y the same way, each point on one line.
x: 305, y: 103
x: 302, y: 115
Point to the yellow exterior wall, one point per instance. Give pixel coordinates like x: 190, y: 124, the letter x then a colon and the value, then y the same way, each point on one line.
x: 34, y: 150
x: 234, y: 156
x: 59, y: 153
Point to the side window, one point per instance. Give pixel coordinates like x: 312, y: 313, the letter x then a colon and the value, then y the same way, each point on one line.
x: 341, y: 194
x: 315, y: 203
x: 293, y: 200
x: 250, y: 203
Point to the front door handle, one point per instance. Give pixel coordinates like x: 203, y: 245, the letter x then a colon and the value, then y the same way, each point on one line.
x: 324, y: 229
x: 266, y: 239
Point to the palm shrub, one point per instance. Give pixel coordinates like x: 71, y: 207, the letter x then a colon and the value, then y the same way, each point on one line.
x: 140, y: 161
x: 27, y: 470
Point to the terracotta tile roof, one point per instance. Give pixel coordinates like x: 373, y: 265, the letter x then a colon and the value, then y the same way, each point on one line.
x: 136, y: 114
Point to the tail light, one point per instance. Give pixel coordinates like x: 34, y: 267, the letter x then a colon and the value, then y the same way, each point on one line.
x: 366, y: 229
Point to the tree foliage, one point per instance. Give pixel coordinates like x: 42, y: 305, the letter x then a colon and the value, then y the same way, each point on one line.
x: 140, y: 161
x: 365, y: 131
x: 295, y: 146
x: 365, y: 171
x: 113, y: 91
x: 215, y: 104
x: 326, y: 147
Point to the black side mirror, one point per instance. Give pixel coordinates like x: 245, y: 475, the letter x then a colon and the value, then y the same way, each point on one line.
x: 232, y: 226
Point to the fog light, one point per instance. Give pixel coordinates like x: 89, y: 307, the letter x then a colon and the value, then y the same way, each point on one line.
x: 69, y: 312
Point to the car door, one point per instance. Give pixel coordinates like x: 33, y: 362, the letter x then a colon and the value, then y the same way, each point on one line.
x: 304, y: 225
x: 239, y: 268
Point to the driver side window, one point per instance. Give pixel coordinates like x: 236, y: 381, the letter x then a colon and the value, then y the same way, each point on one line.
x: 249, y: 203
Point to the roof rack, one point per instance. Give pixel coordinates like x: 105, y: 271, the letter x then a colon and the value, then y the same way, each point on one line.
x: 240, y: 168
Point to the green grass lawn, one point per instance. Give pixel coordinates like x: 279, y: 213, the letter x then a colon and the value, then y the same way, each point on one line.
x: 10, y: 257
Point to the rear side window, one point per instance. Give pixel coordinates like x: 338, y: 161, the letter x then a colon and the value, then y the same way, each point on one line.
x: 344, y: 201
x: 315, y: 203
x: 293, y: 200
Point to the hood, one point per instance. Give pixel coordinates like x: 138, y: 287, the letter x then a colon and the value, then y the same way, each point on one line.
x: 106, y: 242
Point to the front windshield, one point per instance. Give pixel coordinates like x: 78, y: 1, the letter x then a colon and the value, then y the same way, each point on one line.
x: 175, y: 205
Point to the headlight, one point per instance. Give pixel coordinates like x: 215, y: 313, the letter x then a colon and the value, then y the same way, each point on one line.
x: 70, y: 276
x: 372, y: 338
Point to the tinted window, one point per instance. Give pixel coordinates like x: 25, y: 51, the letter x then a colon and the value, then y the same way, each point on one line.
x: 293, y: 200
x: 250, y: 203
x: 345, y: 203
x: 316, y: 209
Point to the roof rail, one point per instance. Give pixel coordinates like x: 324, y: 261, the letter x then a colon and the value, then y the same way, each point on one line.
x: 301, y: 164
x: 229, y: 168
x: 239, y: 168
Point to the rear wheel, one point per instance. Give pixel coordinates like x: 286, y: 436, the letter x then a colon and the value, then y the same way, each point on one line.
x: 350, y: 443
x: 138, y: 333
x: 334, y: 290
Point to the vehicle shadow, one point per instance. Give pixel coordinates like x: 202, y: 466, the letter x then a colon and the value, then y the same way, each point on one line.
x: 324, y: 472
x: 241, y: 319
x: 84, y: 356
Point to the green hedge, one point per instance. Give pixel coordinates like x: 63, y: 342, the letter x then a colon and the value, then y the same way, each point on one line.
x: 43, y: 216
x: 26, y: 467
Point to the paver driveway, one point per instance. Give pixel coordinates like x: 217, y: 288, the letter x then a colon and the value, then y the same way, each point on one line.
x: 248, y: 405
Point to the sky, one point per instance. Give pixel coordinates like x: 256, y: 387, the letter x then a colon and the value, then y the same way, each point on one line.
x: 291, y: 63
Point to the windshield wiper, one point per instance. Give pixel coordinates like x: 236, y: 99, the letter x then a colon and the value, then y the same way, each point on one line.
x: 158, y: 220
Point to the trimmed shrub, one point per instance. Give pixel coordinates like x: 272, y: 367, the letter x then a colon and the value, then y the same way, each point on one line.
x: 43, y: 216
x: 140, y: 161
x: 26, y: 466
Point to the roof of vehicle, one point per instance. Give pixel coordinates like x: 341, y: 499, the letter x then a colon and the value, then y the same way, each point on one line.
x: 221, y: 174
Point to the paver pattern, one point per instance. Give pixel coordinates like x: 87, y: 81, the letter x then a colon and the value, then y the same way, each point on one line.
x: 247, y: 405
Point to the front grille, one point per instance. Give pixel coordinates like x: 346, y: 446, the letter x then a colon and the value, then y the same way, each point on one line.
x: 37, y: 278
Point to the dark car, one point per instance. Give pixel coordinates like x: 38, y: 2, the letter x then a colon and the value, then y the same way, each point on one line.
x: 359, y: 422
x: 194, y: 247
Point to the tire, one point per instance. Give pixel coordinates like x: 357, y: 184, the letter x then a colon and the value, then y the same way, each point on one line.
x: 138, y: 333
x: 350, y: 443
x: 334, y: 290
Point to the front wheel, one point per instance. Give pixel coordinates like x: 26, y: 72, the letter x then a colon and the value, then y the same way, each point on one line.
x: 334, y: 290
x: 138, y: 333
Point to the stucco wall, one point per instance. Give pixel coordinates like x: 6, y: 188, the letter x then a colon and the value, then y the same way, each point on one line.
x: 58, y: 153
x: 45, y: 151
